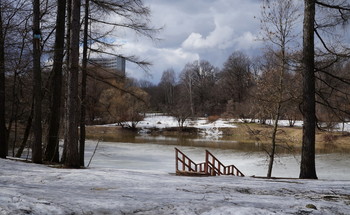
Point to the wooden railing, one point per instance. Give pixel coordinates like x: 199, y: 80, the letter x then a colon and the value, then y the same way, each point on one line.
x: 186, y: 163
x: 215, y: 167
x: 212, y: 166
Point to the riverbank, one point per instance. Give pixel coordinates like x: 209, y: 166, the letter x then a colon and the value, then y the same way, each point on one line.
x: 223, y: 130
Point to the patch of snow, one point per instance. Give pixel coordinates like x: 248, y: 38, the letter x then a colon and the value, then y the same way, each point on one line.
x: 211, y: 133
x: 160, y: 121
x: 209, y: 130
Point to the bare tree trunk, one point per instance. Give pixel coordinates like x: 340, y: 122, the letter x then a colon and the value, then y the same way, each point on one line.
x: 83, y: 85
x: 52, y: 152
x: 16, y: 100
x: 37, y: 128
x: 3, y: 141
x: 273, y: 141
x: 278, y: 21
x: 72, y: 156
x: 278, y: 110
x: 69, y: 16
x: 191, y: 96
x: 307, y: 166
x: 26, y: 133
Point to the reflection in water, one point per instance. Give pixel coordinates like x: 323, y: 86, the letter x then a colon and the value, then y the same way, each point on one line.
x: 200, y: 141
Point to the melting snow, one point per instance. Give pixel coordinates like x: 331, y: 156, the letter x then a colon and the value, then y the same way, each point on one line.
x: 107, y: 188
x: 37, y: 189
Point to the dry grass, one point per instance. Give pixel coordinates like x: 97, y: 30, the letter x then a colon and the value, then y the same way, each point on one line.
x: 251, y: 132
x: 108, y: 133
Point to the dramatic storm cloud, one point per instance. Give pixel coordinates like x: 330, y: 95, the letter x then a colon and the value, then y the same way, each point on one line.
x: 201, y: 29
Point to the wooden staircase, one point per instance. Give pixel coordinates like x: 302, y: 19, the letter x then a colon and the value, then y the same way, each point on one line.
x: 211, y: 167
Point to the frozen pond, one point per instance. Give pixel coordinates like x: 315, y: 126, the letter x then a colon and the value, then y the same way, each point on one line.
x: 159, y: 157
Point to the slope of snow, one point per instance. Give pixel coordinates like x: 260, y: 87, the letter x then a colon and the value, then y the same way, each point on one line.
x: 37, y: 189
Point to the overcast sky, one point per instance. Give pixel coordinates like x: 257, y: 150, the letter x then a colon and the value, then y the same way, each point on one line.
x: 195, y: 29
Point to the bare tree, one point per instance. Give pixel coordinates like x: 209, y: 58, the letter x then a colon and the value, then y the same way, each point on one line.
x: 83, y: 83
x: 199, y: 78
x: 235, y: 83
x: 17, y: 40
x: 52, y: 147
x: 340, y: 11
x: 181, y: 108
x: 167, y: 85
x: 278, y: 26
x: 67, y: 61
x: 72, y: 156
x: 187, y: 79
x: 135, y: 16
x: 307, y: 166
x: 132, y: 15
x: 236, y: 78
x: 123, y: 108
x: 37, y: 126
x: 3, y: 132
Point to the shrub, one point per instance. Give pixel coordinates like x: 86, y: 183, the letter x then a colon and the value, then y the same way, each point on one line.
x: 213, y: 118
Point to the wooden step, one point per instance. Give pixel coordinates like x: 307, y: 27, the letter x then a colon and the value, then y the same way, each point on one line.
x: 190, y: 173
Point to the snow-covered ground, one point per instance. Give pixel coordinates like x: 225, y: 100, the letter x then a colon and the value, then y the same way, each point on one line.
x: 208, y: 129
x: 129, y: 178
x: 37, y: 189
x: 163, y: 121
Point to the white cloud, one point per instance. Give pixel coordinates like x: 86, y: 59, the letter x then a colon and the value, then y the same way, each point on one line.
x: 161, y: 59
x: 234, y: 26
x: 220, y: 38
x: 206, y: 29
x: 246, y: 41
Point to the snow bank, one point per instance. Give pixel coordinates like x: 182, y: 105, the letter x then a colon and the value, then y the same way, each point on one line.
x: 37, y: 189
x: 209, y: 130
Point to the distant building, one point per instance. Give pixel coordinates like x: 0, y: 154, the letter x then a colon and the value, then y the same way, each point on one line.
x: 116, y: 63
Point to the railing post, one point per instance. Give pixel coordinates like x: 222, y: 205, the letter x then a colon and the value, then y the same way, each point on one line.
x: 176, y: 159
x: 183, y: 162
x: 206, y: 167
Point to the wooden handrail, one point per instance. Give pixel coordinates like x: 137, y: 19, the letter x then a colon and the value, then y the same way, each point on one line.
x: 215, y: 167
x: 235, y: 170
x: 187, y: 163
x: 211, y: 166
